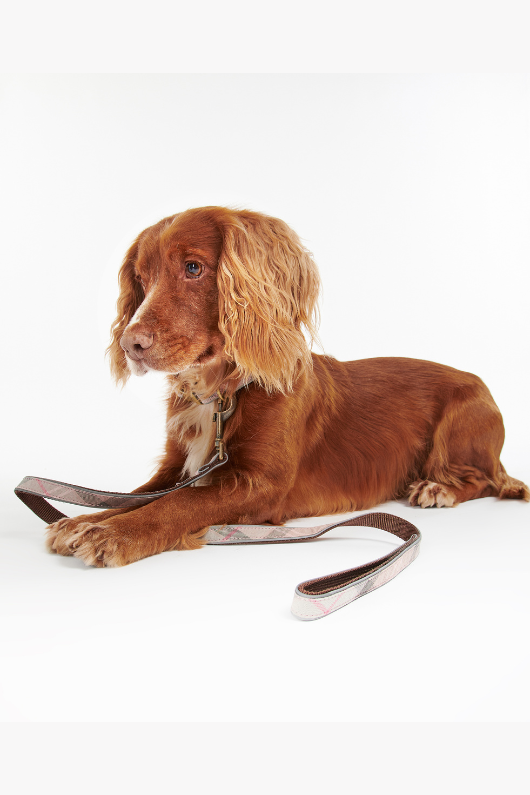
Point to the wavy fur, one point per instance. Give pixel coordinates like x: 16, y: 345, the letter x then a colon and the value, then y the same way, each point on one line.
x: 130, y: 298
x: 268, y: 291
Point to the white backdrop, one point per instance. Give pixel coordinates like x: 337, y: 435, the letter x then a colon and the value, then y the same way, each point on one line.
x: 413, y: 194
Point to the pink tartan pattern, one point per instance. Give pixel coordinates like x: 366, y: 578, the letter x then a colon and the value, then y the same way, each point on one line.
x: 77, y: 495
x: 94, y: 498
x: 246, y: 534
x: 309, y: 608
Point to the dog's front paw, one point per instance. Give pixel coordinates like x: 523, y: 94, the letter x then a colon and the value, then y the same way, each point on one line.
x: 97, y: 544
x: 428, y: 494
x: 57, y: 535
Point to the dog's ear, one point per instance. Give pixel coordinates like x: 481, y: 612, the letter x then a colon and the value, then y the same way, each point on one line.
x: 268, y: 290
x: 130, y: 297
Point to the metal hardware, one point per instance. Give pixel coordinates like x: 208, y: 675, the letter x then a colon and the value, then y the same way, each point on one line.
x: 220, y: 418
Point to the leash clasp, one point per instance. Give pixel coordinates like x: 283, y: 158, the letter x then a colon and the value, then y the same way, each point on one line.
x: 220, y: 418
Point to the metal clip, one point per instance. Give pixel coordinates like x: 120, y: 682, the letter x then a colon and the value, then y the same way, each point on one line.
x: 220, y: 418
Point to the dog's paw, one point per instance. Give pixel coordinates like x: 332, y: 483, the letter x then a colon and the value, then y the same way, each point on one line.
x: 57, y: 535
x: 427, y: 494
x: 96, y: 544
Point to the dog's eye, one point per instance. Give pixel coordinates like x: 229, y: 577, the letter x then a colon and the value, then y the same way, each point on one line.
x: 140, y: 280
x: 193, y: 269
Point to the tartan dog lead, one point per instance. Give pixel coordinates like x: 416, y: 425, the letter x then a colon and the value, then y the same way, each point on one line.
x: 313, y: 598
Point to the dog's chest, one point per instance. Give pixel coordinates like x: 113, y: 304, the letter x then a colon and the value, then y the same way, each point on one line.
x: 194, y: 428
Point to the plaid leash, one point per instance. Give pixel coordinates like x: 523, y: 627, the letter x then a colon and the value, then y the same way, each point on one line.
x: 312, y: 599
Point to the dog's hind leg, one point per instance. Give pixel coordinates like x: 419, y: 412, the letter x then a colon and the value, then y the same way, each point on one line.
x: 463, y: 463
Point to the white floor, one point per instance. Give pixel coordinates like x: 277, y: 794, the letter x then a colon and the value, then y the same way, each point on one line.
x: 208, y: 635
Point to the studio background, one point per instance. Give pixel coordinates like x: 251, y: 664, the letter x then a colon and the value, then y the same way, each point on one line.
x: 413, y: 194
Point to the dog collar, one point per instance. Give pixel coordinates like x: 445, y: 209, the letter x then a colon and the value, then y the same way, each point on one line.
x: 216, y: 395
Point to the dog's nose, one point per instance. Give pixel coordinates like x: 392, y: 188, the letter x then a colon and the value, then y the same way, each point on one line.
x: 135, y: 342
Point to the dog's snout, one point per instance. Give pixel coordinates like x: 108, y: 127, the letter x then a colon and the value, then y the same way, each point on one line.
x: 135, y: 342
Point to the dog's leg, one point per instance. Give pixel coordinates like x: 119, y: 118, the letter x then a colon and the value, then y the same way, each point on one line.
x: 464, y: 461
x: 432, y: 494
x: 57, y: 533
x: 176, y: 521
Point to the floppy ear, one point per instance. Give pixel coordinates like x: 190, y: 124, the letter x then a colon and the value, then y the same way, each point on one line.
x: 268, y: 290
x: 130, y: 297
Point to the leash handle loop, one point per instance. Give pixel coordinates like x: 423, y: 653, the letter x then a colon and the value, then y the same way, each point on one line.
x: 321, y: 596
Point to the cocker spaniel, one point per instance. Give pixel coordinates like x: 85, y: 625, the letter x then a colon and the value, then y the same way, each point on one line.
x: 219, y: 301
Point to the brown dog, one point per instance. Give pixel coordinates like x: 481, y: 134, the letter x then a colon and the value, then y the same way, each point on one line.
x: 216, y: 298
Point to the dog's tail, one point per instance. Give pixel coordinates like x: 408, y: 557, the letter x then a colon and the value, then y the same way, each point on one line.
x: 511, y: 488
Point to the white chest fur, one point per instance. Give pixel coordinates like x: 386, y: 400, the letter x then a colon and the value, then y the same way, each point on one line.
x: 194, y: 428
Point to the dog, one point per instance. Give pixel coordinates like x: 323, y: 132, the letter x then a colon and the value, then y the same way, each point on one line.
x: 223, y: 302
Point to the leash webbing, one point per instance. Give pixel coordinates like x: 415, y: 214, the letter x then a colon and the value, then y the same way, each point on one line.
x: 33, y: 492
x: 313, y: 599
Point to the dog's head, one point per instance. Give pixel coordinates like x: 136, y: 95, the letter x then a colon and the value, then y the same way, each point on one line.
x: 220, y: 289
